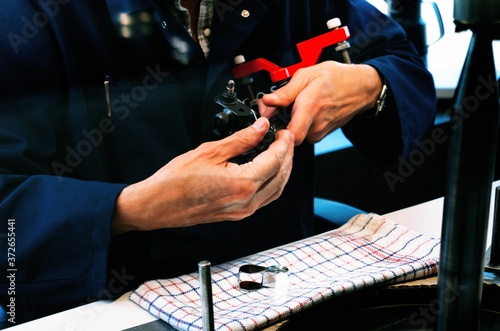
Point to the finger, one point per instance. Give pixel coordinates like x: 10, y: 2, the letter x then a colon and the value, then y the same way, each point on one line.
x: 295, y: 92
x: 275, y: 164
x: 302, y: 116
x: 242, y: 141
x: 264, y: 110
x: 287, y: 94
x: 273, y: 188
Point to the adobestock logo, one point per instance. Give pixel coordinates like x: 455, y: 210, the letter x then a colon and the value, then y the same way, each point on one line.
x: 485, y: 88
x: 39, y: 20
x: 120, y: 111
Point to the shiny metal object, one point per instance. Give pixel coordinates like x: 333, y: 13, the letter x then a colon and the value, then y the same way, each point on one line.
x: 205, y: 273
x: 252, y: 284
x: 475, y: 125
x: 108, y: 94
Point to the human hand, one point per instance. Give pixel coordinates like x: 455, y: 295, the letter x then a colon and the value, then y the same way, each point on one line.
x: 325, y: 97
x: 202, y: 186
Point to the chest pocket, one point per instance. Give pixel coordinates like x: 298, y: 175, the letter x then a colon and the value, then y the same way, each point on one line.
x: 142, y: 126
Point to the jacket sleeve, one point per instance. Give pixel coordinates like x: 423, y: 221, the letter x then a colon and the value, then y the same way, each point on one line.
x: 410, y: 109
x: 55, y: 230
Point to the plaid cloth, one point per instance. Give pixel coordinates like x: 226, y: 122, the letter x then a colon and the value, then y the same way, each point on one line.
x: 368, y: 250
x: 205, y: 18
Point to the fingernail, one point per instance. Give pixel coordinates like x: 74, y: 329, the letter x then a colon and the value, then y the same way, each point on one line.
x: 264, y: 112
x: 271, y: 97
x: 259, y: 123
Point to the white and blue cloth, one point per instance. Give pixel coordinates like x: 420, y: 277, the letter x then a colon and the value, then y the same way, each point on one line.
x: 368, y: 250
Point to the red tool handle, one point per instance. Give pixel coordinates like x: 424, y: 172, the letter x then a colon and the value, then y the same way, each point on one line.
x: 309, y: 51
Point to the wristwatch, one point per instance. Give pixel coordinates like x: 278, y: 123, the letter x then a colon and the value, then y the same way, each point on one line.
x: 381, y: 99
x: 379, y: 106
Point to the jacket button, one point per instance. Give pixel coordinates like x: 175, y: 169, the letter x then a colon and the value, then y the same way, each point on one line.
x: 245, y: 13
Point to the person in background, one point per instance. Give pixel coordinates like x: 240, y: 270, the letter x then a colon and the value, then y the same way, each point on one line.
x: 110, y: 174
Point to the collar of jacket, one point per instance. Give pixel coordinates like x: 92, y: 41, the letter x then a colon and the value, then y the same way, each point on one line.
x: 230, y: 26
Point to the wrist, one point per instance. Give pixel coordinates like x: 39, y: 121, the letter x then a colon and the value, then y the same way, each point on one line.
x: 129, y: 211
x: 378, y: 95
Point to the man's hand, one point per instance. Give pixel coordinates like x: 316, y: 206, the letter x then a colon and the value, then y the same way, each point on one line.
x: 325, y: 97
x: 202, y: 186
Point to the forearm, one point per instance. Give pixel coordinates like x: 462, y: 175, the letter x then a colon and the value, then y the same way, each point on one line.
x: 411, y: 99
x: 161, y: 201
x: 368, y: 84
x: 409, y: 112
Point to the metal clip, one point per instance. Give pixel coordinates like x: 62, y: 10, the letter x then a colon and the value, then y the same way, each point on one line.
x: 249, y: 282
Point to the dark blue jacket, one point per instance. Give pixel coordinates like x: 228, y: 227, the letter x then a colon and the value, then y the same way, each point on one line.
x: 63, y: 161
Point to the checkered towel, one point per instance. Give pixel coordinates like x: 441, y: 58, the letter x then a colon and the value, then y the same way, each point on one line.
x: 368, y: 250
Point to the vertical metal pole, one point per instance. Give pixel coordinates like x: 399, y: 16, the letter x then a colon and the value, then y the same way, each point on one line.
x: 495, y: 241
x: 207, y: 308
x: 468, y: 192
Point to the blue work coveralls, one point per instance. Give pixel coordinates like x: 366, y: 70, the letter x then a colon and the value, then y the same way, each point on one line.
x: 64, y: 161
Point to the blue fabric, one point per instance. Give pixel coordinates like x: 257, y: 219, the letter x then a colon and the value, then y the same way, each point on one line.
x: 63, y: 162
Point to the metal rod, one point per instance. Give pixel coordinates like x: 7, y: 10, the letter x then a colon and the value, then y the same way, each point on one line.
x: 495, y: 241
x: 207, y: 308
x: 468, y: 192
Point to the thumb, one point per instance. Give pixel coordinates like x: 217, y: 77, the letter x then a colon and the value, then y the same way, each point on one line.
x: 284, y: 96
x: 244, y: 140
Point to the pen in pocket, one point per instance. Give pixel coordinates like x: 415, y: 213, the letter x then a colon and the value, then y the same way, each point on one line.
x: 107, y: 81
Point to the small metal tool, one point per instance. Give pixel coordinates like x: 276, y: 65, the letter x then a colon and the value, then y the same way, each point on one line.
x: 252, y: 285
x: 207, y: 307
x: 237, y: 115
x: 342, y: 46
